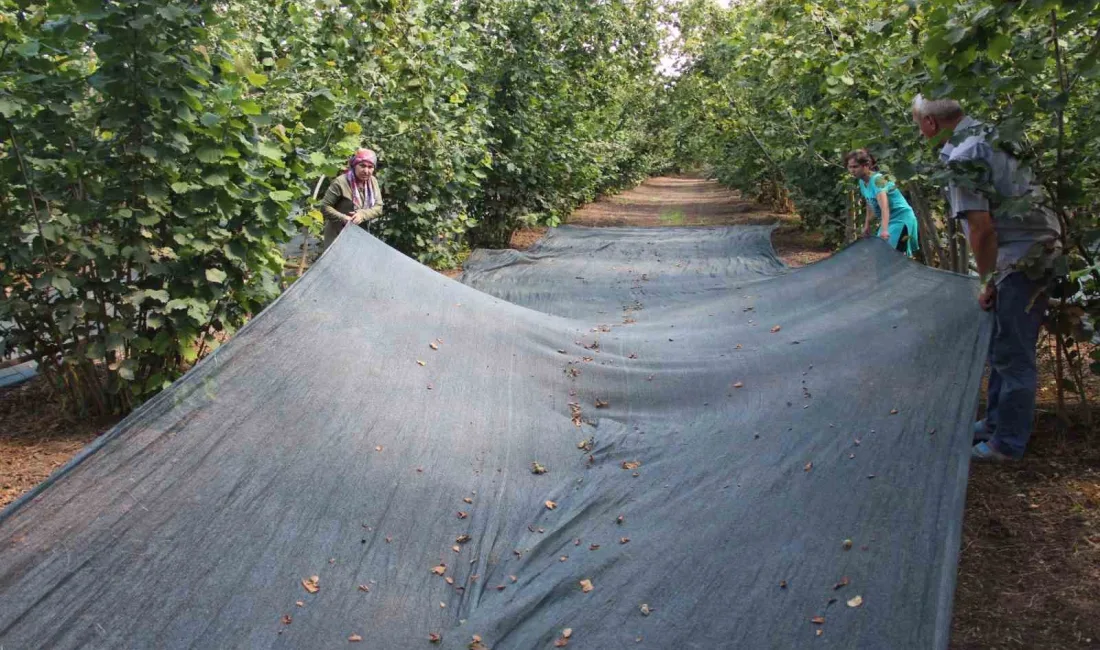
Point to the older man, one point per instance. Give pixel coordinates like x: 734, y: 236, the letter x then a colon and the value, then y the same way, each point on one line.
x: 1014, y: 240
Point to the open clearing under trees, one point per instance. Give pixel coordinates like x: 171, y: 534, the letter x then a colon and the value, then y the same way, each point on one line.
x: 1029, y: 573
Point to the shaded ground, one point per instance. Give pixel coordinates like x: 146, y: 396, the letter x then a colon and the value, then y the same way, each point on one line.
x: 1029, y: 573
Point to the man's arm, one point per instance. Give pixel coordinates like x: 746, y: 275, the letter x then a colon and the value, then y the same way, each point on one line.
x: 983, y: 241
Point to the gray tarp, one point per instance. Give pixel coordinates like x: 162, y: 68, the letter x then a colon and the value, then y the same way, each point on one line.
x: 316, y: 444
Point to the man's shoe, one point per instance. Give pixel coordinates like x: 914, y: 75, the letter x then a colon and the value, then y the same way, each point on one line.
x: 985, y: 452
x: 981, y: 432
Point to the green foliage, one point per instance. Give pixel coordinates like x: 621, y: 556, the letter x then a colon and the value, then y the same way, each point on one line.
x: 773, y: 93
x: 157, y: 154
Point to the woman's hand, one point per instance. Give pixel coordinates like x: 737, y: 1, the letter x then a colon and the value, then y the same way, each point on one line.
x: 988, y: 296
x: 885, y: 234
x: 355, y: 218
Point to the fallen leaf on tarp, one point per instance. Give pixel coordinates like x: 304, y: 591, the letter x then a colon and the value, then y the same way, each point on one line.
x: 586, y: 445
x: 601, y: 404
x: 312, y: 584
x: 355, y: 638
x: 586, y: 359
x: 462, y: 515
x: 286, y: 619
x: 844, y: 582
x: 420, y: 363
x: 538, y: 468
x: 500, y: 587
x: 378, y: 448
x: 808, y: 466
x: 631, y: 464
x: 550, y: 505
x: 782, y: 584
x: 856, y: 601
x: 776, y: 329
x: 513, y: 578
x: 449, y: 580
x: 467, y: 500
x: 586, y: 585
x: 624, y: 540
x: 593, y: 547
x: 633, y: 355
x: 818, y: 620
x: 563, y: 558
x: 893, y: 411
x: 365, y: 588
x: 620, y: 519
x: 433, y: 346
x: 567, y: 632
x: 462, y: 539
x: 646, y: 611
x: 300, y: 603
x: 434, y: 638
x: 737, y: 347
x: 847, y: 545
x: 739, y: 385
x: 456, y: 548
x: 819, y: 632
x: 439, y: 569
x: 476, y: 644
x: 561, y: 642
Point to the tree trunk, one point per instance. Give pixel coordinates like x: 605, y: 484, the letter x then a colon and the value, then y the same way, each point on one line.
x: 929, y: 234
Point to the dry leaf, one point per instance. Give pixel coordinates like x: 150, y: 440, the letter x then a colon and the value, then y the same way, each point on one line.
x: 819, y: 632
x: 538, y: 468
x: 433, y: 346
x: 500, y: 587
x: 737, y: 347
x: 462, y: 539
x: 439, y: 569
x: 847, y: 545
x: 563, y: 558
x: 843, y: 583
x: 456, y: 548
x: 739, y: 385
x: 586, y: 445
x: 550, y: 505
x: 782, y: 584
x: 355, y: 638
x: 624, y: 540
x: 594, y: 547
x: 467, y: 500
x: 818, y: 620
x: 646, y: 611
x: 449, y: 580
x: 312, y: 584
x: 286, y: 619
x: 378, y: 448
x: 435, y: 638
x: 586, y: 585
x: 855, y: 602
x: 776, y: 329
x: 620, y: 519
x: 365, y: 588
x: 300, y: 603
x: 462, y: 515
x: 632, y: 464
x: 476, y: 644
x: 513, y: 578
x: 808, y: 467
x: 567, y: 632
x: 420, y: 363
x: 601, y: 404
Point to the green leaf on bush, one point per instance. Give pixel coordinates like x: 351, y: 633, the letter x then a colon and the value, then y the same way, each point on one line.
x: 215, y: 275
x: 209, y: 119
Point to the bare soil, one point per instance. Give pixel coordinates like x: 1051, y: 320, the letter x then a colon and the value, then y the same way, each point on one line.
x: 1029, y: 572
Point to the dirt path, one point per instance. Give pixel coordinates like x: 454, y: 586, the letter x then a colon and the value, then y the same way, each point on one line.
x: 688, y: 201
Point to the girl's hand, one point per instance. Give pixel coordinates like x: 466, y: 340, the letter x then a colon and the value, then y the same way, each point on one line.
x: 885, y: 234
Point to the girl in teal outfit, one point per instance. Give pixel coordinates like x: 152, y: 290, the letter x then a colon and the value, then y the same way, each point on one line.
x: 885, y: 204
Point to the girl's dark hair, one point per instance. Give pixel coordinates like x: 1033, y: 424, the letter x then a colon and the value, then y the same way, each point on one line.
x: 862, y: 157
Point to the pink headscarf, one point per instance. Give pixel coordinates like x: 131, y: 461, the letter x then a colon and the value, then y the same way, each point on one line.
x: 361, y: 195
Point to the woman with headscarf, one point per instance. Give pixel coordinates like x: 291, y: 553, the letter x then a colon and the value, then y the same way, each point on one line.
x: 885, y: 204
x: 353, y: 196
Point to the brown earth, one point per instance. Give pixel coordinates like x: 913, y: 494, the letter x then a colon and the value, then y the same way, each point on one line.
x: 1029, y: 571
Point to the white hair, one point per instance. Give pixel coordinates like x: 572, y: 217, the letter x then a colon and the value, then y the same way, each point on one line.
x: 942, y: 109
